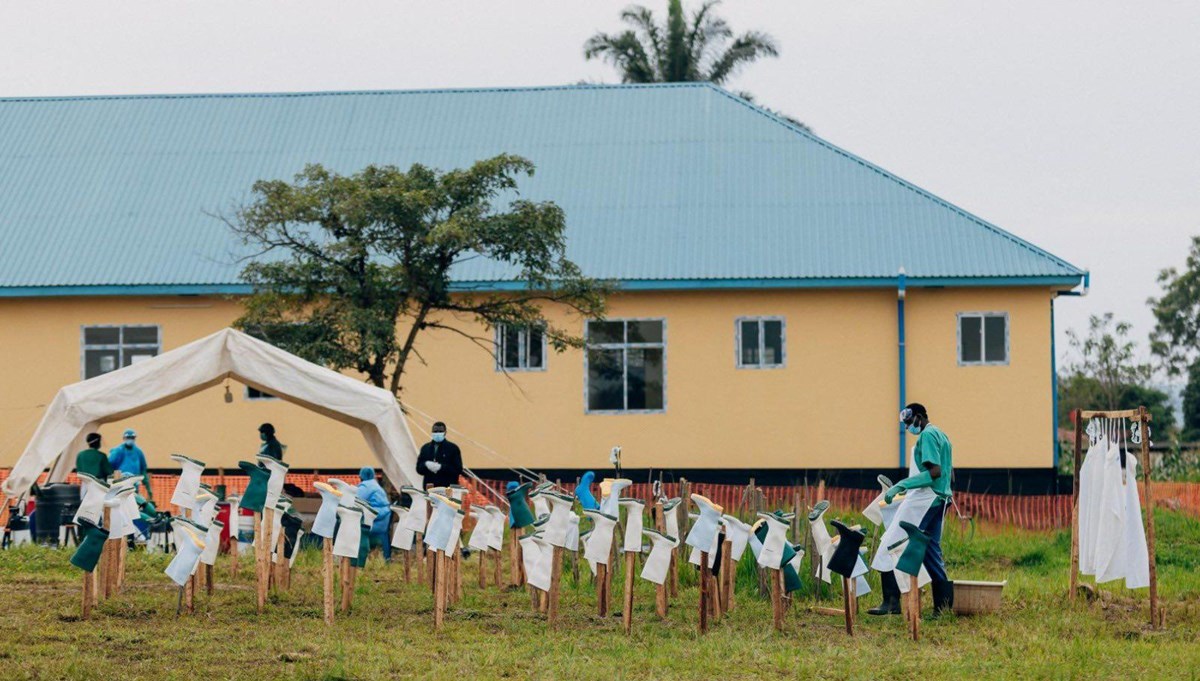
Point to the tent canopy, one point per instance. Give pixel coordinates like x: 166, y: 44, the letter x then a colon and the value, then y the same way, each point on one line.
x: 82, y: 407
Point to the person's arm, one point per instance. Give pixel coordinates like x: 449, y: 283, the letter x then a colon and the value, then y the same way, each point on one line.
x: 454, y: 459
x: 926, y: 457
x: 422, y: 459
x: 115, y: 455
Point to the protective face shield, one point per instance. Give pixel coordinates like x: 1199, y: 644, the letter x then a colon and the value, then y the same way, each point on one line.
x: 537, y: 568
x: 599, y: 542
x: 671, y: 517
x: 91, y: 503
x: 254, y: 498
x: 658, y: 562
x: 562, y: 509
x: 418, y: 511
x: 773, y: 545
x: 909, y: 418
x: 496, y: 533
x: 325, y: 522
x: 704, y: 532
x: 189, y: 481
x: 278, y: 471
x: 633, y: 525
x: 402, y: 537
x: 845, y: 556
x: 738, y: 535
x: 349, y: 532
x: 189, y: 545
x: 212, y: 543
x: 90, y: 547
x: 610, y: 490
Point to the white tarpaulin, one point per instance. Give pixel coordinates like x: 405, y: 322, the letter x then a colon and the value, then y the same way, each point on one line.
x: 82, y: 407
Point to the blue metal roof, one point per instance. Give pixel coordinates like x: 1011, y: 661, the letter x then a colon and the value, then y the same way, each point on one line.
x: 677, y: 185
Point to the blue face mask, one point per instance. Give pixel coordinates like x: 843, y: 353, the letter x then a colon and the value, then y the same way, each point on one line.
x: 129, y: 444
x: 914, y: 429
x: 439, y: 437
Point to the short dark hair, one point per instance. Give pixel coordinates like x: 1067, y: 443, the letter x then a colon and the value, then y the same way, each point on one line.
x: 93, y: 439
x: 267, y: 428
x: 918, y: 410
x: 439, y: 424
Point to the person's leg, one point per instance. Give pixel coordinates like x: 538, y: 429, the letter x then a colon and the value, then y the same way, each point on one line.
x: 935, y: 564
x: 385, y: 546
x: 891, y: 595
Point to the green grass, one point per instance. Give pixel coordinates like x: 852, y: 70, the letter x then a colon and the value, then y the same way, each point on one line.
x: 494, y: 634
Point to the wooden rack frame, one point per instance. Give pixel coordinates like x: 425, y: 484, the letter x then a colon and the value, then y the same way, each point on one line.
x: 1142, y: 417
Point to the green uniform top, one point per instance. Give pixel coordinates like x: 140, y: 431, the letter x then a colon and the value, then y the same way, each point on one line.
x: 95, y: 463
x: 272, y: 448
x: 933, y: 449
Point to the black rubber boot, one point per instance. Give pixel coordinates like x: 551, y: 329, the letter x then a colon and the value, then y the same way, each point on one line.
x: 943, y: 597
x: 891, y: 595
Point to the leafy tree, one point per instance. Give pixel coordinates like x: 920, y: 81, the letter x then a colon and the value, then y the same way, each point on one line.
x: 1176, y: 337
x: 1191, y: 404
x: 702, y: 49
x: 357, y: 266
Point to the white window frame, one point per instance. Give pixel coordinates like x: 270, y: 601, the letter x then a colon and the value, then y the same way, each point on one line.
x: 121, y: 346
x: 523, y: 351
x: 983, y: 339
x: 737, y: 348
x: 625, y: 346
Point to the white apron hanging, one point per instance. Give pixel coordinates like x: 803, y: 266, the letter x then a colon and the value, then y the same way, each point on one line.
x: 911, y: 508
x: 1121, y: 542
x: 1091, y: 487
x: 188, y: 484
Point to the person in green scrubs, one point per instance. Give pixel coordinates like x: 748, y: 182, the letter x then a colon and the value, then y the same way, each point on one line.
x: 93, y: 461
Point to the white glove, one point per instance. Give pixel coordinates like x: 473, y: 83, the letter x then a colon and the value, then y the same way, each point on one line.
x: 433, y: 466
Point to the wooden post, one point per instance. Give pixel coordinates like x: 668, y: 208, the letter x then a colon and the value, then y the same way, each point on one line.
x: 914, y: 609
x: 847, y: 605
x: 660, y: 600
x: 601, y: 597
x: 555, y: 586
x: 1156, y: 617
x: 704, y: 592
x: 106, y: 562
x: 408, y: 564
x: 234, y: 547
x: 516, y: 571
x: 1075, y: 466
x: 499, y: 573
x: 122, y: 553
x: 96, y: 586
x: 280, y: 562
x: 458, y: 575
x: 777, y: 598
x: 199, y: 576
x: 627, y: 611
x: 439, y: 591
x: 189, y: 594
x: 347, y: 590
x: 327, y: 578
x: 419, y: 547
x: 728, y: 576
x: 259, y: 543
x: 88, y: 586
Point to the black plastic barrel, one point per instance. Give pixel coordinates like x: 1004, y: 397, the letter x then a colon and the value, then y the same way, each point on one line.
x: 56, y: 502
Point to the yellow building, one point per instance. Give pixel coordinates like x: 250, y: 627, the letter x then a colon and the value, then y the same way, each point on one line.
x: 780, y: 298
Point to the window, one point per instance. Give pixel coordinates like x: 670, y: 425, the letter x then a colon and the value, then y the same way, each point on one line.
x: 626, y: 366
x: 107, y: 348
x: 256, y: 394
x: 983, y: 338
x: 760, y: 342
x: 520, y: 349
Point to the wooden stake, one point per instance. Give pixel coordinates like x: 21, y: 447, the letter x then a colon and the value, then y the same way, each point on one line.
x: 601, y: 583
x: 408, y: 564
x: 499, y: 573
x: 280, y: 561
x: 457, y: 571
x: 234, y: 547
x: 419, y: 547
x: 483, y: 569
x: 555, y: 586
x: 847, y: 606
x: 516, y: 572
x: 727, y: 576
x: 439, y: 591
x: 96, y: 586
x: 209, y: 581
x: 347, y: 590
x: 89, y: 585
x: 777, y: 598
x: 704, y: 592
x: 1156, y: 618
x: 189, y: 594
x: 122, y: 553
x: 327, y: 578
x: 1076, y: 465
x: 259, y: 567
x: 627, y: 611
x: 660, y: 600
x: 914, y: 610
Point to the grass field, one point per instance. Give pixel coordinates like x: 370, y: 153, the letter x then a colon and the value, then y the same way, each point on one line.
x: 494, y: 634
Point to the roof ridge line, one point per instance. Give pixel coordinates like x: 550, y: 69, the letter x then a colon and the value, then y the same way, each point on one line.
x: 897, y: 179
x: 342, y: 93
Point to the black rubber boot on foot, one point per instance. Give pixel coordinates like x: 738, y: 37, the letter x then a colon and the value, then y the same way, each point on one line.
x: 943, y: 598
x: 891, y: 595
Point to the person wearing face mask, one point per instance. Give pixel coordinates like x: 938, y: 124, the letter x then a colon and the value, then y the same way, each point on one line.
x: 440, y: 461
x: 128, y: 460
x: 93, y: 461
x: 270, y: 446
x: 370, y: 491
x: 927, y: 494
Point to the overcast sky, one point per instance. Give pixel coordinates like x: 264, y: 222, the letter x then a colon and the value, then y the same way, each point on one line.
x: 1070, y: 123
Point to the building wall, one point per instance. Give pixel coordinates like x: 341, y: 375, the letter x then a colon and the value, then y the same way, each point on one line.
x: 833, y: 406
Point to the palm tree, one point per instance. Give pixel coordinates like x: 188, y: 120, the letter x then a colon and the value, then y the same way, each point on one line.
x: 704, y: 49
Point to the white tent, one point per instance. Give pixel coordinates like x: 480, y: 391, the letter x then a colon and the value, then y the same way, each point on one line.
x: 81, y: 407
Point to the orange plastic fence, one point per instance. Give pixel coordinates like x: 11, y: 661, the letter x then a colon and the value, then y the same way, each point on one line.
x: 1039, y: 512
